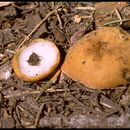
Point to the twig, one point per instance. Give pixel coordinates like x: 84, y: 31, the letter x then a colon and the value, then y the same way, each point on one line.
x: 116, y: 21
x: 38, y: 25
x: 118, y: 15
x: 18, y: 116
x: 86, y: 17
x: 85, y: 8
x: 2, y: 4
x: 58, y: 17
x: 20, y: 94
x: 49, y: 90
x: 28, y: 7
x: 38, y: 115
x: 10, y: 51
x: 1, y: 56
x: 52, y: 4
x: 7, y: 59
x: 123, y: 4
x: 78, y: 102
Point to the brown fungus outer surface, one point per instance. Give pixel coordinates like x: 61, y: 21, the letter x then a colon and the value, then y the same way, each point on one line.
x: 100, y: 59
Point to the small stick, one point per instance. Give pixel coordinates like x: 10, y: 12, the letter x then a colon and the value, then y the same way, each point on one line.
x: 7, y: 59
x: 1, y: 56
x: 52, y: 4
x: 18, y: 94
x: 38, y: 115
x: 49, y: 90
x: 38, y: 25
x: 85, y: 8
x: 2, y: 4
x: 123, y: 4
x: 116, y: 21
x: 58, y: 17
x: 118, y: 15
x: 10, y: 51
x: 86, y: 17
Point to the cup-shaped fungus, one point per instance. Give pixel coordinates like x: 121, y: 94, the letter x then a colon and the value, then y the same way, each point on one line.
x: 36, y: 61
x: 100, y: 59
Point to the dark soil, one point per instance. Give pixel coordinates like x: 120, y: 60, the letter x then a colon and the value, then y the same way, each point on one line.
x: 66, y: 103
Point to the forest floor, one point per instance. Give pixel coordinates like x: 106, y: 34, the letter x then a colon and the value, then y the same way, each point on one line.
x: 66, y: 103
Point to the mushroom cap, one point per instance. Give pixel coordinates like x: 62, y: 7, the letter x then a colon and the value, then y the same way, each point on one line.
x: 100, y: 59
x: 36, y: 60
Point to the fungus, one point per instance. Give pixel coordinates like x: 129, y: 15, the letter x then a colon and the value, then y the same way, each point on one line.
x: 36, y: 60
x: 100, y: 59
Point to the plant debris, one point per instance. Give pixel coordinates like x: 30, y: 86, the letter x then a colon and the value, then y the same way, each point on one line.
x: 64, y: 103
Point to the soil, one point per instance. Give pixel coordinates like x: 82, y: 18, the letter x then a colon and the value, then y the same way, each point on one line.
x: 66, y: 103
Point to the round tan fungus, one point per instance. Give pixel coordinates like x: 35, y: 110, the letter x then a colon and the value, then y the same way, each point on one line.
x: 100, y: 59
x: 36, y: 60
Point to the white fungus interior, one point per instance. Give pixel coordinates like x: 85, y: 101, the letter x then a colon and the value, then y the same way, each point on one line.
x: 47, y: 54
